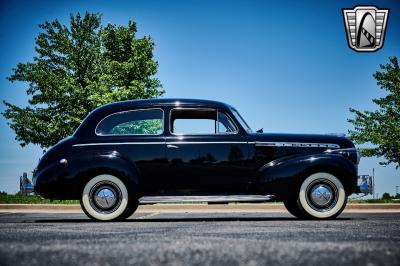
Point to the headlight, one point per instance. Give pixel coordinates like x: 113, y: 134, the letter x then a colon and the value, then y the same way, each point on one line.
x: 350, y: 153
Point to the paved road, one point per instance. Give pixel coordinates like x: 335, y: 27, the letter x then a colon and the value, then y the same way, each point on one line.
x: 200, y: 239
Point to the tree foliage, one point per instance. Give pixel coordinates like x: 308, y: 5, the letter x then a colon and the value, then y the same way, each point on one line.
x: 78, y: 68
x: 386, y: 196
x: 381, y: 128
x: 151, y: 126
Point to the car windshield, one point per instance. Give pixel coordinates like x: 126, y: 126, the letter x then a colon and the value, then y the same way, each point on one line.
x: 241, y: 120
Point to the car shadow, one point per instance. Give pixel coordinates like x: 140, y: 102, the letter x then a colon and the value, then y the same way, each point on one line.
x: 183, y: 220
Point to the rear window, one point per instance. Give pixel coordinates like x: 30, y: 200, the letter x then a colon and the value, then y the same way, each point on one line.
x: 135, y: 122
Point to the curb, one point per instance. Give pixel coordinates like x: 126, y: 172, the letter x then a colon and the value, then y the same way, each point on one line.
x: 260, y: 207
x: 55, y: 207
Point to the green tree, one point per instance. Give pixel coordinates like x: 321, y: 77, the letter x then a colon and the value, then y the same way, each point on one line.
x: 152, y: 126
x: 381, y: 128
x: 386, y: 196
x: 78, y: 68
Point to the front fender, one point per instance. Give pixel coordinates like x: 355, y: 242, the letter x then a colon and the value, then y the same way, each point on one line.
x: 66, y: 180
x: 283, y: 177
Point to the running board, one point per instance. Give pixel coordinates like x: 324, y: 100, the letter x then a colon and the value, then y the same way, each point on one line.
x: 219, y: 199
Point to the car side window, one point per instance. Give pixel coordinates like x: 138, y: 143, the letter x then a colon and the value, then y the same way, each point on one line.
x: 135, y: 122
x: 200, y: 122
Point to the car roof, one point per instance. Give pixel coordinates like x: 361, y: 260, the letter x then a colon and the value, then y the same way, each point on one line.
x: 87, y: 127
x: 158, y: 102
x: 163, y: 102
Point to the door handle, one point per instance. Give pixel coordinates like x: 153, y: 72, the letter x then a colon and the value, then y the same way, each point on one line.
x: 172, y: 146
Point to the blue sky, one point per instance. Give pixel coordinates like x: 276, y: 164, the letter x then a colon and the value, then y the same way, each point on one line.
x: 285, y: 65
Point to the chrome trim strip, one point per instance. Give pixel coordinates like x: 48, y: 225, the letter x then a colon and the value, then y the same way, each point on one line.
x: 263, y: 144
x: 161, y: 142
x: 297, y: 144
x: 205, y: 198
x: 207, y: 142
x: 116, y: 143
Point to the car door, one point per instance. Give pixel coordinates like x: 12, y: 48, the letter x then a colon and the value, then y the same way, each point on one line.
x: 138, y: 135
x: 205, y: 152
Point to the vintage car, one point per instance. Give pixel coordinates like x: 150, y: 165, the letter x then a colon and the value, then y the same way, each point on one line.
x: 173, y: 150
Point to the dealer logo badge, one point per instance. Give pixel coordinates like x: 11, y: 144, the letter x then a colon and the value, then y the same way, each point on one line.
x: 365, y: 27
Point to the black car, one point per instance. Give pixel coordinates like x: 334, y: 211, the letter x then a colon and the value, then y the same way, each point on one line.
x: 172, y: 150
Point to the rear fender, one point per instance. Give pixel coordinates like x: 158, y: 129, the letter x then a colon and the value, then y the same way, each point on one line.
x: 66, y: 179
x: 86, y: 167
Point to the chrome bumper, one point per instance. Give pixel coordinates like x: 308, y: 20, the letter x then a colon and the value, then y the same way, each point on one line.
x: 365, y: 185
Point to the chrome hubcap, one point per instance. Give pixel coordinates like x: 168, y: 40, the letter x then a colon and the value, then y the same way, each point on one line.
x: 105, y: 197
x: 321, y: 195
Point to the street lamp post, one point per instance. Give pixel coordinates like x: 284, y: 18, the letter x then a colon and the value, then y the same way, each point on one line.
x: 373, y: 183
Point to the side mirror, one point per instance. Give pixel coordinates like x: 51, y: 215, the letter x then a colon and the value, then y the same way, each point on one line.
x: 260, y: 130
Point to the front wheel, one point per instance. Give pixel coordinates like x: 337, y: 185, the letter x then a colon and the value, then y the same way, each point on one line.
x: 105, y: 198
x: 321, y: 196
x: 293, y: 208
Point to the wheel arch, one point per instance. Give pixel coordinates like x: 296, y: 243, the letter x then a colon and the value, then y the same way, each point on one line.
x: 87, y: 167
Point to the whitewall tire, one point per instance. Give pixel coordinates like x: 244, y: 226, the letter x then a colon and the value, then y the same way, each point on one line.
x: 105, y: 198
x: 322, y: 196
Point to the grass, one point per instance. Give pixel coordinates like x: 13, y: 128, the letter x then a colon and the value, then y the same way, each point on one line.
x: 375, y: 201
x: 30, y: 199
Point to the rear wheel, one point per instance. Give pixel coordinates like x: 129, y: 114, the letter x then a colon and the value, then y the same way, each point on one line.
x: 105, y: 198
x: 320, y: 196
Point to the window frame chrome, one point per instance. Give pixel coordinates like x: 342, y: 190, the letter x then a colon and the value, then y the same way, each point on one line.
x: 236, y: 132
x: 133, y: 110
x: 241, y: 120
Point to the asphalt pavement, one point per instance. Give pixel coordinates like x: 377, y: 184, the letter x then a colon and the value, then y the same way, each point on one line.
x: 267, y: 238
